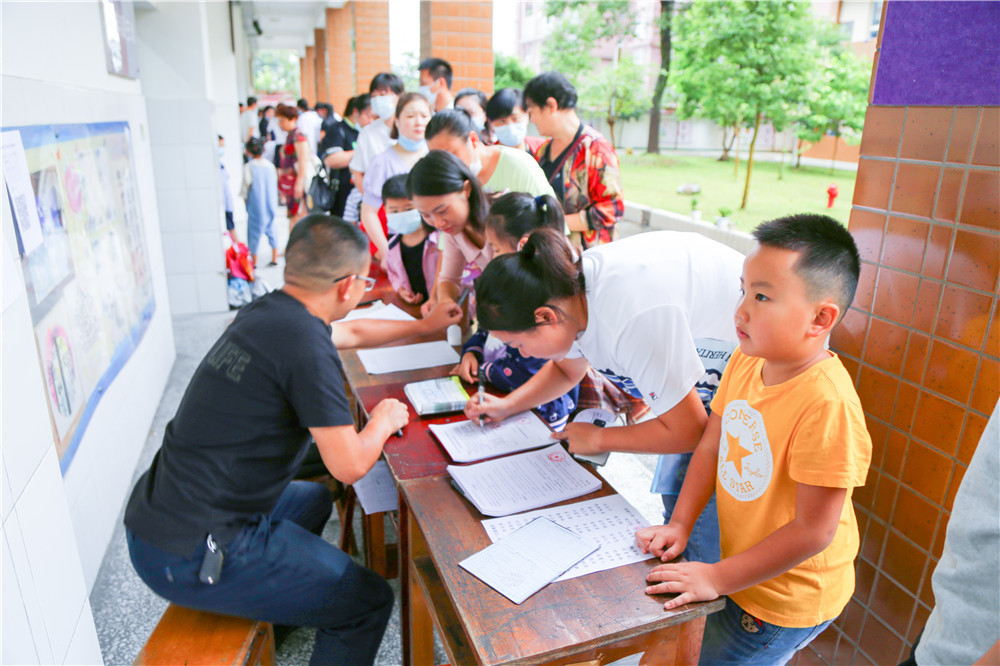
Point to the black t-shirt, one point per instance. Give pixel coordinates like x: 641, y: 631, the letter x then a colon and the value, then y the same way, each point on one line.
x: 413, y: 262
x: 339, y: 135
x: 240, y: 431
x: 554, y: 175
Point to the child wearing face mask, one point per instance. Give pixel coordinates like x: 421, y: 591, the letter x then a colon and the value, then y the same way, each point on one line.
x: 413, y: 255
x: 513, y: 216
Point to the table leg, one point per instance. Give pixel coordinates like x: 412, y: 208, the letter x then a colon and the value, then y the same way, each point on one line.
x: 374, y: 535
x: 417, y: 626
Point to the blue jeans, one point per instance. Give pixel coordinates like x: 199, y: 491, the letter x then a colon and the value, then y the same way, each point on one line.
x: 279, y: 570
x: 703, y: 544
x: 727, y: 640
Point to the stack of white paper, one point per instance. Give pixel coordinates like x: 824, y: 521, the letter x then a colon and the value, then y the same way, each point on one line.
x: 407, y: 357
x: 437, y: 396
x: 376, y: 491
x: 524, y: 481
x: 379, y: 311
x: 528, y: 559
x: 467, y: 441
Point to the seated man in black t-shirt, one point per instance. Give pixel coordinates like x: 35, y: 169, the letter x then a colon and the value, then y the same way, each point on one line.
x: 217, y: 523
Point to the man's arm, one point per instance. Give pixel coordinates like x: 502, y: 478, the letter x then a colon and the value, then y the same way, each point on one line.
x: 339, y: 159
x: 348, y: 455
x: 675, y: 431
x: 375, y: 332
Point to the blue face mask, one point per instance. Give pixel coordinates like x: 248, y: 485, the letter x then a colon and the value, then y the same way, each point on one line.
x: 512, y: 134
x: 403, y: 223
x: 411, y: 145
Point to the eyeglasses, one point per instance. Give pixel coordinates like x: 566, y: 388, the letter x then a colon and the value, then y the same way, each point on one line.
x: 369, y: 281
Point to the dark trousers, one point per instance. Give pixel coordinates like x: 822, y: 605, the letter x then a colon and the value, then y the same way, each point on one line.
x: 279, y: 570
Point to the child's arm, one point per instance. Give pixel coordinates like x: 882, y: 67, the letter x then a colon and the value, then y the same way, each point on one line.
x: 668, y: 541
x: 817, y: 514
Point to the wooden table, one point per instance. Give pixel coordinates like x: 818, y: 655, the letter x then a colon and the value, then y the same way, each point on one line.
x: 597, y: 618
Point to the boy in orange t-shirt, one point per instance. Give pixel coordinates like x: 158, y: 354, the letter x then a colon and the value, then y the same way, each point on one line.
x: 784, y: 447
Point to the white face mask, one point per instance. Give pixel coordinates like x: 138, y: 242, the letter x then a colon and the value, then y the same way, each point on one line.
x: 479, y: 122
x: 512, y: 134
x: 403, y: 223
x: 383, y: 106
x: 477, y: 164
x: 431, y: 97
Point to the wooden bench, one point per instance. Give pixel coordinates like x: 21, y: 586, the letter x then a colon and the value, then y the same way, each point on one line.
x: 185, y: 636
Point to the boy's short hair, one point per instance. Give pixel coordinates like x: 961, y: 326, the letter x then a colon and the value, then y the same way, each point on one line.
x: 395, y: 187
x: 438, y: 69
x: 255, y: 147
x: 322, y: 248
x: 828, y: 260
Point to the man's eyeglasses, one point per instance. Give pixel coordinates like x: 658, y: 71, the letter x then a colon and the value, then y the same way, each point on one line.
x: 369, y: 281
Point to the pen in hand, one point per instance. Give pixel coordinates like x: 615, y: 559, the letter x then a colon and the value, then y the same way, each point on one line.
x: 482, y: 393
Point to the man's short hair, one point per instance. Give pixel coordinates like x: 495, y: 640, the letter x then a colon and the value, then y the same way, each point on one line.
x: 251, y: 101
x: 386, y: 80
x: 438, y: 69
x: 828, y: 260
x: 303, y: 104
x: 359, y: 104
x: 322, y: 248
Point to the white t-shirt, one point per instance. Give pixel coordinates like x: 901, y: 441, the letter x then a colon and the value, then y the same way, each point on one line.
x: 309, y: 124
x: 372, y: 140
x: 249, y: 125
x: 649, y: 297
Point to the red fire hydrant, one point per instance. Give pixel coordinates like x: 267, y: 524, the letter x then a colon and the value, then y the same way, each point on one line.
x: 832, y: 192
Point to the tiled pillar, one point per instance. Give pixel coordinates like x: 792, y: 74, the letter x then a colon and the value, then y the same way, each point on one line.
x: 308, y: 75
x: 340, y: 56
x: 322, y: 69
x: 922, y: 338
x: 462, y: 34
x: 371, y: 42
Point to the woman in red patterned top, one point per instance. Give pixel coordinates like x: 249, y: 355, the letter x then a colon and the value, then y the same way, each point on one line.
x: 580, y: 163
x: 293, y: 166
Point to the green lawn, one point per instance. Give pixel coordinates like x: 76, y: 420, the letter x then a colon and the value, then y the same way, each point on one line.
x: 653, y: 180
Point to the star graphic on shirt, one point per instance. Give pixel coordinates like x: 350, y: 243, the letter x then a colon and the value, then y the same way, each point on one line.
x: 737, y: 452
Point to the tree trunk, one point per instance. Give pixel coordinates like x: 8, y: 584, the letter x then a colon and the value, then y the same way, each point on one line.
x: 798, y: 155
x: 736, y: 163
x: 726, y: 146
x: 666, y: 13
x: 836, y: 141
x: 753, y: 142
x: 611, y: 131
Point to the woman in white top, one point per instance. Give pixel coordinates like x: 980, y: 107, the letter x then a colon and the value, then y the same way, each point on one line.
x: 410, y: 120
x: 452, y: 201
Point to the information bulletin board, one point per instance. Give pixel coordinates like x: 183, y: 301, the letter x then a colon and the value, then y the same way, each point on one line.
x: 82, y: 250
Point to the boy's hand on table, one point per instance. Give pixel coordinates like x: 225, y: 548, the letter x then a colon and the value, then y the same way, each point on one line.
x: 690, y: 581
x: 664, y: 541
x: 493, y: 408
x: 442, y: 315
x: 467, y: 369
x: 393, y: 412
x: 583, y: 438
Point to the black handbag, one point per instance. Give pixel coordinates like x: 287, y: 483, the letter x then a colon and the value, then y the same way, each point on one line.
x: 322, y: 191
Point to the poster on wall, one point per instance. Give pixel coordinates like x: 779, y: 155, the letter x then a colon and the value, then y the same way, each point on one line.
x: 82, y: 252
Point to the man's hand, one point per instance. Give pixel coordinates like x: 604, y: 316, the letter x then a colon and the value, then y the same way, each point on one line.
x: 583, y: 438
x: 493, y: 408
x: 468, y: 368
x: 690, y: 581
x: 392, y: 412
x: 442, y: 316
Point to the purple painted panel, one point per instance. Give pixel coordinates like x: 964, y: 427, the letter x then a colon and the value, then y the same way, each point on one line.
x: 939, y: 54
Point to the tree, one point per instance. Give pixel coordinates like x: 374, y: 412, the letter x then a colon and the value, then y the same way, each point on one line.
x: 275, y: 70
x: 615, y: 92
x: 406, y: 69
x: 837, y: 100
x: 509, y: 72
x: 740, y: 62
x: 666, y: 21
x: 580, y: 25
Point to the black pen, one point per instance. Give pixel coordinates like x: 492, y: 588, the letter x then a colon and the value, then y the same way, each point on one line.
x: 399, y: 433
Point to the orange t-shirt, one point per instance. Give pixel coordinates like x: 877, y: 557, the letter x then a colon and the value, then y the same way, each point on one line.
x: 809, y: 429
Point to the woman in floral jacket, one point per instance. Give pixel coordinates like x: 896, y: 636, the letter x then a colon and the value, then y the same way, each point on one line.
x: 580, y: 163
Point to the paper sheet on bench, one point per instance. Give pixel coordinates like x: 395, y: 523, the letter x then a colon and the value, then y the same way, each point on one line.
x: 610, y: 521
x: 379, y: 311
x: 524, y: 481
x: 376, y: 491
x: 528, y: 559
x: 407, y: 357
x: 466, y: 441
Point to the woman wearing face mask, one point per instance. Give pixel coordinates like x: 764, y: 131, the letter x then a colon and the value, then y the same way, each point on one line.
x: 412, y: 114
x: 509, y: 122
x: 474, y: 101
x: 450, y: 198
x: 498, y: 168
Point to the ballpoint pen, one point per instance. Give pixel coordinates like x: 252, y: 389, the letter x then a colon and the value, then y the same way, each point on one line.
x: 482, y: 393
